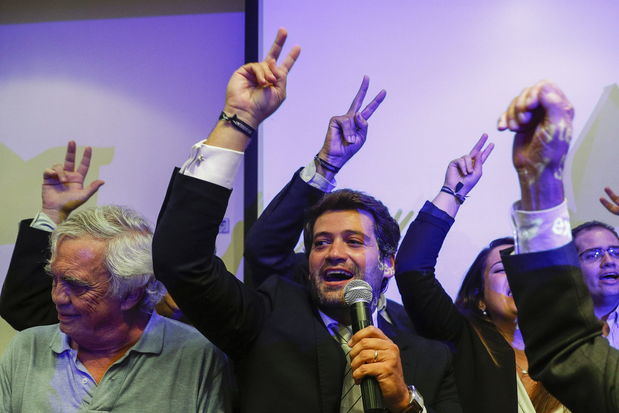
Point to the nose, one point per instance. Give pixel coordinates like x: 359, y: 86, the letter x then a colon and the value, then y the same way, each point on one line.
x: 607, y: 260
x: 336, y: 251
x: 59, y: 294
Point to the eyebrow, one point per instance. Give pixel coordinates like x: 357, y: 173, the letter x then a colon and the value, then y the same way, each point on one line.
x: 346, y: 233
x: 69, y: 278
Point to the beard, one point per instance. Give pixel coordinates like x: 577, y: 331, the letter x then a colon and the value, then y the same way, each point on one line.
x: 332, y: 296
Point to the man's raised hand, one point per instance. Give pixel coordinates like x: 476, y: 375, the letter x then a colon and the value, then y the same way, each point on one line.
x: 347, y: 133
x: 542, y: 118
x: 256, y: 90
x: 63, y: 186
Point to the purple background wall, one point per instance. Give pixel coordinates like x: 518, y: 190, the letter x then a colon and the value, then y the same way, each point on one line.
x: 449, y: 68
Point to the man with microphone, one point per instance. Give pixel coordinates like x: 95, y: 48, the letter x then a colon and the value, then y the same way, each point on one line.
x: 281, y: 334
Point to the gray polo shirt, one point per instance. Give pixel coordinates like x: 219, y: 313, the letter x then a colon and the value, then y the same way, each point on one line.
x: 172, y: 368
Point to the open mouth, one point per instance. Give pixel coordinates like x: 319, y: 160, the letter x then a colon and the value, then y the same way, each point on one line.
x: 609, y: 276
x: 337, y: 275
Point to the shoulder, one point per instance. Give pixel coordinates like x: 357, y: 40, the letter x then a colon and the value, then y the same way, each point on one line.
x: 286, y: 286
x: 37, y: 334
x: 186, y: 344
x: 181, y: 335
x: 179, y: 332
x: 32, y: 340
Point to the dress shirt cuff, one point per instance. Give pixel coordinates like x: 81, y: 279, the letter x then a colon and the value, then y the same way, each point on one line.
x: 541, y: 230
x: 43, y: 222
x: 313, y: 178
x: 213, y: 164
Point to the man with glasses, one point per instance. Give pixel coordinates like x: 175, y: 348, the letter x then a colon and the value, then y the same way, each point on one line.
x: 598, y: 252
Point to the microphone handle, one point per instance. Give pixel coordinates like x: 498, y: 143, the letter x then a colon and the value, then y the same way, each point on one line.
x: 370, y: 390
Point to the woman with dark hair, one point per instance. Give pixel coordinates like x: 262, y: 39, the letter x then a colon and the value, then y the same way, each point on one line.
x: 481, y: 327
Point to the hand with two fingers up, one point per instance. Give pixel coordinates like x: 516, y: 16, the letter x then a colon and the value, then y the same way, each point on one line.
x: 613, y: 205
x: 347, y: 133
x: 63, y: 187
x: 462, y: 175
x: 256, y: 90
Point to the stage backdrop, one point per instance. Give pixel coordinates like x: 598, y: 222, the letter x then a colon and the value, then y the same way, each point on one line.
x: 141, y: 91
x: 449, y: 68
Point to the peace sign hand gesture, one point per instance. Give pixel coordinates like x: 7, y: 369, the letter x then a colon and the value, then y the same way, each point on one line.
x: 346, y: 134
x: 256, y: 90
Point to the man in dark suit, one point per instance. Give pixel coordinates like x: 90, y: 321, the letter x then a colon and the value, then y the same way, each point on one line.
x: 564, y: 342
x: 286, y: 358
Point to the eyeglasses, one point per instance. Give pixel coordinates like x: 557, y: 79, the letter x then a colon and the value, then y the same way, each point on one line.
x: 596, y: 254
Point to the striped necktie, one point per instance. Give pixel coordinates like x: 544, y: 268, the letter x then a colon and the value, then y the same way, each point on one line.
x: 350, y: 401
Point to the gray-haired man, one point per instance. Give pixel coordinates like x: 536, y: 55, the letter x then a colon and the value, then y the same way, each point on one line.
x: 110, y: 350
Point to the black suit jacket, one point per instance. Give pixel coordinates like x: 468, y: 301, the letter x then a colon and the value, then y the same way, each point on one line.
x: 563, y: 338
x: 285, y: 359
x: 26, y: 293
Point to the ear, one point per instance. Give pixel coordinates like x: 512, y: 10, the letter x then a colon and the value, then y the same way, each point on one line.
x: 131, y: 299
x: 388, y: 266
x: 482, y: 305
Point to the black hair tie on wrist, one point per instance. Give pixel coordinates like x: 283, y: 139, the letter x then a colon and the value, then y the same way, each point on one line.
x: 237, y: 123
x: 459, y: 197
x: 328, y: 166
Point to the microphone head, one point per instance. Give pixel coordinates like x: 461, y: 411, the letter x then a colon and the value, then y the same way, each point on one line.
x: 357, y: 291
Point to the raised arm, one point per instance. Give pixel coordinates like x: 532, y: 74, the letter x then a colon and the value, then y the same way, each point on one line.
x: 219, y: 305
x: 564, y: 345
x: 269, y: 247
x: 429, y: 306
x: 26, y: 294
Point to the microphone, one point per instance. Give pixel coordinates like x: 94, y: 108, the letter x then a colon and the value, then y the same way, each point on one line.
x: 358, y: 296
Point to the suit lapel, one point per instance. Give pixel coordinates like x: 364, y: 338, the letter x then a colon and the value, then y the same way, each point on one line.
x: 398, y: 333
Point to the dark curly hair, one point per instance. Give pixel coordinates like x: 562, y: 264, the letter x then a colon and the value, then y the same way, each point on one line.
x: 386, y: 229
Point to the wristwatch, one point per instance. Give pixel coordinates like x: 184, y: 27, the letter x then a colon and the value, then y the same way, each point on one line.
x: 415, y: 403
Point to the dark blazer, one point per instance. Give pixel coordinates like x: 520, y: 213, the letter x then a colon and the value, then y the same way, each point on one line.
x: 285, y: 359
x: 563, y: 338
x: 483, y: 385
x: 26, y: 293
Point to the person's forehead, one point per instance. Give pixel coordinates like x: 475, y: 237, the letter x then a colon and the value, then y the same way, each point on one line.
x: 345, y: 220
x: 494, y: 256
x: 595, y: 237
x: 79, y: 253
